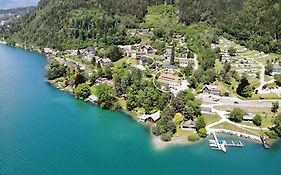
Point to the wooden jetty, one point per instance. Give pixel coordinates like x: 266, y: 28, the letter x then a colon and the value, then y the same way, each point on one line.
x: 223, y: 144
x: 264, y: 142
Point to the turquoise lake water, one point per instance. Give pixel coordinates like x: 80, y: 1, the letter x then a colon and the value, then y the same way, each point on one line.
x: 44, y: 131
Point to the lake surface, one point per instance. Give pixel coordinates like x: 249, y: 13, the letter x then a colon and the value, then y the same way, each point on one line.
x: 44, y: 131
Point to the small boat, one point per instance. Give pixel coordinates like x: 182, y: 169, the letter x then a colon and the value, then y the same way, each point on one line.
x: 213, y: 145
x: 223, y: 148
x: 212, y: 141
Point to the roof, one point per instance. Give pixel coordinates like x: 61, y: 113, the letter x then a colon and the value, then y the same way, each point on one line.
x: 189, y: 123
x: 170, y: 77
x: 106, y: 60
x: 155, y: 116
x: 169, y: 66
x: 210, y: 87
x: 140, y: 67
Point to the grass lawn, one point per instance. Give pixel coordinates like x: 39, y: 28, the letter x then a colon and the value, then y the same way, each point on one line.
x: 254, y: 110
x: 218, y: 66
x: 269, y: 96
x: 121, y: 61
x: 232, y: 127
x: 93, y: 89
x: 266, y: 121
x: 267, y: 78
x: 271, y: 85
x: 254, y: 82
x: 210, y: 118
x: 184, y: 133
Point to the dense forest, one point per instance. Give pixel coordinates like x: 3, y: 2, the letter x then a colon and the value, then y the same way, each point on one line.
x: 254, y: 23
x: 68, y: 24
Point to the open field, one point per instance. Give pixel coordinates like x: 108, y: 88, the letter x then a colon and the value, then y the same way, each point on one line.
x: 232, y: 127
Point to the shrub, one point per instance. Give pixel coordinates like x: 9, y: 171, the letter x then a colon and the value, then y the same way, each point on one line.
x: 271, y: 134
x: 82, y: 91
x: 193, y: 138
x: 202, y: 132
x: 257, y: 120
x: 166, y: 136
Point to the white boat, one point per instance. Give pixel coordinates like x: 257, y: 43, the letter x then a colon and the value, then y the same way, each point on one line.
x: 213, y: 145
x: 223, y: 148
x: 212, y: 141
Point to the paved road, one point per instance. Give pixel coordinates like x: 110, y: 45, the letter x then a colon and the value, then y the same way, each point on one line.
x: 236, y: 101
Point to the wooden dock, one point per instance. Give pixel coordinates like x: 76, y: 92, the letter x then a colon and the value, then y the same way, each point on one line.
x: 222, y: 145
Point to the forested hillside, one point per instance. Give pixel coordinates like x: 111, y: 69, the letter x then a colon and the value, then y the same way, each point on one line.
x: 255, y: 23
x: 67, y: 24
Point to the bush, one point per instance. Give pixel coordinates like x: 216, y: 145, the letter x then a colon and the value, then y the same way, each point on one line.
x: 236, y: 115
x: 82, y: 91
x: 193, y: 138
x: 166, y: 137
x: 202, y: 132
x: 156, y: 130
x: 257, y: 120
x: 271, y: 134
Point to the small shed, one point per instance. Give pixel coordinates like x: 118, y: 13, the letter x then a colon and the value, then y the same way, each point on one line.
x: 189, y: 124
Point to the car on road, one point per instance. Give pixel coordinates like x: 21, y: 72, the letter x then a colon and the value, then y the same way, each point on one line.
x: 236, y: 102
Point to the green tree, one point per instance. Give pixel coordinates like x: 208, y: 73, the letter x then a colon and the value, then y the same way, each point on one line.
x: 210, y: 76
x: 202, y: 132
x: 244, y: 89
x: 236, y: 115
x: 275, y: 106
x: 227, y: 66
x: 106, y: 96
x: 114, y: 53
x: 268, y: 68
x: 55, y: 70
x: 179, y: 118
x: 257, y: 120
x: 277, y: 78
x: 200, y: 123
x: 82, y: 91
x: 232, y: 51
x: 277, y: 122
x: 172, y: 59
x: 80, y: 78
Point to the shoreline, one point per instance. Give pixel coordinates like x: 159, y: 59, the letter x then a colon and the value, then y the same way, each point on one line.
x: 156, y: 141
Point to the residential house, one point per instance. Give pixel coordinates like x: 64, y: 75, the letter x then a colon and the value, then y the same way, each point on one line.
x: 152, y: 117
x: 170, y: 67
x: 105, y: 81
x: 141, y: 57
x: 143, y: 31
x: 248, y: 116
x: 72, y: 64
x: 105, y: 62
x: 140, y: 67
x: 211, y: 89
x: 206, y: 109
x: 174, y: 82
x: 89, y: 71
x: 276, y: 69
x: 168, y: 54
x: 126, y: 49
x: 189, y: 124
x: 183, y: 62
x: 87, y: 56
